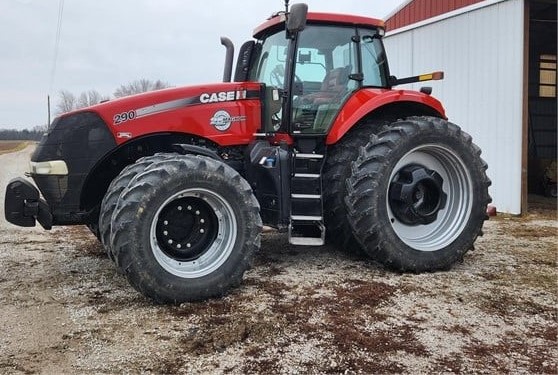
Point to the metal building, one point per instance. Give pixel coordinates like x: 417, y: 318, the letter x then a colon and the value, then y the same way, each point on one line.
x: 499, y: 59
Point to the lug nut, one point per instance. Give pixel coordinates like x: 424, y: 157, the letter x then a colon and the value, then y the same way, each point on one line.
x: 179, y: 208
x: 165, y: 233
x: 188, y: 245
x: 178, y: 246
x: 202, y: 221
x: 197, y: 212
x: 170, y: 242
x: 189, y: 208
x: 166, y: 222
x: 202, y: 231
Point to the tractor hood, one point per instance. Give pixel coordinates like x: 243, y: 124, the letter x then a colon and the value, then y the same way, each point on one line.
x: 213, y: 111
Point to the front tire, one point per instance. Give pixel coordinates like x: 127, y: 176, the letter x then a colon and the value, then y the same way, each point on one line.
x: 418, y: 195
x: 186, y: 229
x: 94, y: 229
x: 114, y: 190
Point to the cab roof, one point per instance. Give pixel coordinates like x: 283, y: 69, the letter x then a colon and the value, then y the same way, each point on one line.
x: 317, y: 18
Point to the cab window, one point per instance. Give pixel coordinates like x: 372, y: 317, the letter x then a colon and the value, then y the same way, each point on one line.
x: 270, y: 60
x: 326, y: 58
x: 374, y: 62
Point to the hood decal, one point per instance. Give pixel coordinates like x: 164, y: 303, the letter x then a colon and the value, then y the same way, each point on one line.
x: 196, y: 100
x: 166, y: 106
x: 222, y: 120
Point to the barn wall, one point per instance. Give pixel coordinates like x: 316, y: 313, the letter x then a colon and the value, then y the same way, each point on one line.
x: 481, y: 53
x: 418, y: 10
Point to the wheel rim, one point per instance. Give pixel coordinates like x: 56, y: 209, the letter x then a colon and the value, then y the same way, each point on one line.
x: 449, y: 194
x: 193, y: 233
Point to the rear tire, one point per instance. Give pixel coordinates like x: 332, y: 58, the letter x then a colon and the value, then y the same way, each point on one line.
x: 418, y: 195
x: 186, y: 229
x: 337, y: 170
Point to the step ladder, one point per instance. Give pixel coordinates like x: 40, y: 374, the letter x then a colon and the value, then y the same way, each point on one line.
x: 306, y: 225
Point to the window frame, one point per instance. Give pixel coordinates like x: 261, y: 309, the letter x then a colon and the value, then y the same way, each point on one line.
x: 547, y: 63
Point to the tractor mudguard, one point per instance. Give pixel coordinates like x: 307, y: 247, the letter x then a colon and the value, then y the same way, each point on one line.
x: 195, y: 150
x: 366, y: 101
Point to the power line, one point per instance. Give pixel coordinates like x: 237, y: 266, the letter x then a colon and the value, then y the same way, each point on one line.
x: 56, y: 43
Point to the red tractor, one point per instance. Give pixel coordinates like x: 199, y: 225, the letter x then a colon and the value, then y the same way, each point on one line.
x: 309, y: 138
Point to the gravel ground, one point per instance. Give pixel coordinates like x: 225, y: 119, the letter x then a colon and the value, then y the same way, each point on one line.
x: 300, y: 309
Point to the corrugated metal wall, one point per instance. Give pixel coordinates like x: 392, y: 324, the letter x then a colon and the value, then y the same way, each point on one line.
x: 481, y: 53
x: 420, y: 10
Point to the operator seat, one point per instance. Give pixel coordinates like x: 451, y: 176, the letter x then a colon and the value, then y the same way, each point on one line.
x: 315, y: 111
x: 334, y: 87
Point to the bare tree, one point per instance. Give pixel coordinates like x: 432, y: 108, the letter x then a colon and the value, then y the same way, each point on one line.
x: 139, y: 86
x: 89, y: 98
x: 40, y: 129
x: 66, y: 103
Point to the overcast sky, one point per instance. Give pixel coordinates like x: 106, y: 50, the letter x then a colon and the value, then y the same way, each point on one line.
x: 105, y: 44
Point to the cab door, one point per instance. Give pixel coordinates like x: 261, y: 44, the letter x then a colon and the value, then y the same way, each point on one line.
x: 325, y: 67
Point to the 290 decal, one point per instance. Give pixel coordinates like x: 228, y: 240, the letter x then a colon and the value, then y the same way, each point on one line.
x: 119, y: 118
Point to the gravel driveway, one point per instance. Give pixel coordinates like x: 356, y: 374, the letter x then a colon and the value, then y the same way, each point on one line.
x: 65, y: 309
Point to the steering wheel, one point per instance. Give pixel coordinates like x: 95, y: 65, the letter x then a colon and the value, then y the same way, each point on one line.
x: 277, y: 76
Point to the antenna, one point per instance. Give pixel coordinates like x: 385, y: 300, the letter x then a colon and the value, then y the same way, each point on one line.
x: 286, y: 6
x: 48, y: 105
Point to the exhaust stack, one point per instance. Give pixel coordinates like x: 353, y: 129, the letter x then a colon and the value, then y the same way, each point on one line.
x: 227, y: 73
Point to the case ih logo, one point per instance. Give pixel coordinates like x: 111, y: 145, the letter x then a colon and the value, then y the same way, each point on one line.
x: 223, y: 96
x: 222, y: 120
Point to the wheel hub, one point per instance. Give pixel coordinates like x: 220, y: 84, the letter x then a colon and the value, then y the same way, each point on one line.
x: 416, y: 195
x: 186, y: 228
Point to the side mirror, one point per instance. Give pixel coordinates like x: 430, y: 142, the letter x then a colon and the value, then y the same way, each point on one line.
x: 297, y: 18
x: 243, y: 61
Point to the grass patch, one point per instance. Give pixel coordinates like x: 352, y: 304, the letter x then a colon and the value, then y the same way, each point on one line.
x: 509, y: 306
x: 7, y: 147
x: 538, y: 358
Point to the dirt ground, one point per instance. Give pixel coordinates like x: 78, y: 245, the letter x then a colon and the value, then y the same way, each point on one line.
x: 64, y: 309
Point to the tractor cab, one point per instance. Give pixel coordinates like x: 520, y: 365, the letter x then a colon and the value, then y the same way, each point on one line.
x: 310, y: 65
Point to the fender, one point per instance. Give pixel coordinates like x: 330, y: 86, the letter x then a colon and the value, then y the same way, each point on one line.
x: 186, y: 149
x: 365, y: 101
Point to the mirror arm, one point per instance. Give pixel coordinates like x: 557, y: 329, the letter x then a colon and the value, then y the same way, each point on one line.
x: 394, y: 81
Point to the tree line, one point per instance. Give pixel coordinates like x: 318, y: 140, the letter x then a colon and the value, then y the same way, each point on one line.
x: 34, y: 134
x: 68, y: 101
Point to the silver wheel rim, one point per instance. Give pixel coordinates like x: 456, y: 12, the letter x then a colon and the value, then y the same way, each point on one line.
x: 217, y: 252
x: 458, y: 186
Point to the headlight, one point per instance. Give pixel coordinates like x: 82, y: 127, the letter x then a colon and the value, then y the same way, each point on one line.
x: 54, y: 167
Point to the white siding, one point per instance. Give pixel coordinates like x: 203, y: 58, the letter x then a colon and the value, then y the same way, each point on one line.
x: 481, y: 54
